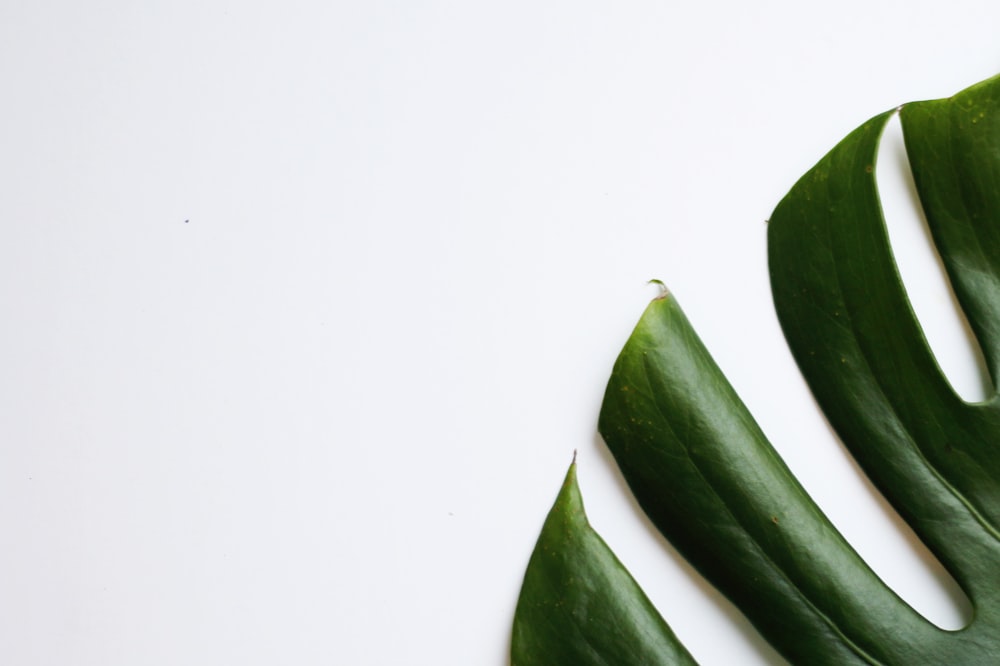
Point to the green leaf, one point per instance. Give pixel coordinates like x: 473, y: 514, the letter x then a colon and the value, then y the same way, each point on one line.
x: 579, y: 606
x: 705, y: 474
x: 707, y: 477
x: 853, y: 333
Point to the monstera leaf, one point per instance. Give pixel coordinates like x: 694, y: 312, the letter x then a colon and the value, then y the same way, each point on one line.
x: 707, y: 477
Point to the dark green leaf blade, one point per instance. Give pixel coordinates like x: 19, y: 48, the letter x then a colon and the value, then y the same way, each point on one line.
x: 847, y: 319
x: 704, y: 473
x: 709, y: 480
x: 954, y: 150
x: 953, y: 146
x: 849, y: 325
x: 580, y: 606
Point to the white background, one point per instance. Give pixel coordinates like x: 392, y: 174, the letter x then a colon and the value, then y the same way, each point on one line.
x: 306, y: 305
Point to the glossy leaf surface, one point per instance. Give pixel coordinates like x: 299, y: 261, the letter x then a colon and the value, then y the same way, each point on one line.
x: 849, y: 324
x: 705, y: 474
x: 579, y: 606
x: 708, y: 478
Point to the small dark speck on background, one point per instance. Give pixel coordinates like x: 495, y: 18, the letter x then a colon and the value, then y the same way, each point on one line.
x: 186, y: 221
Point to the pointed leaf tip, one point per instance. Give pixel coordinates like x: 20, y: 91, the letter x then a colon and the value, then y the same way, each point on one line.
x: 664, y: 292
x: 579, y: 606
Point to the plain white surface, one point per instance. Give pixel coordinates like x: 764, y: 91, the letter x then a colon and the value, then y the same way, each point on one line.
x: 308, y: 304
